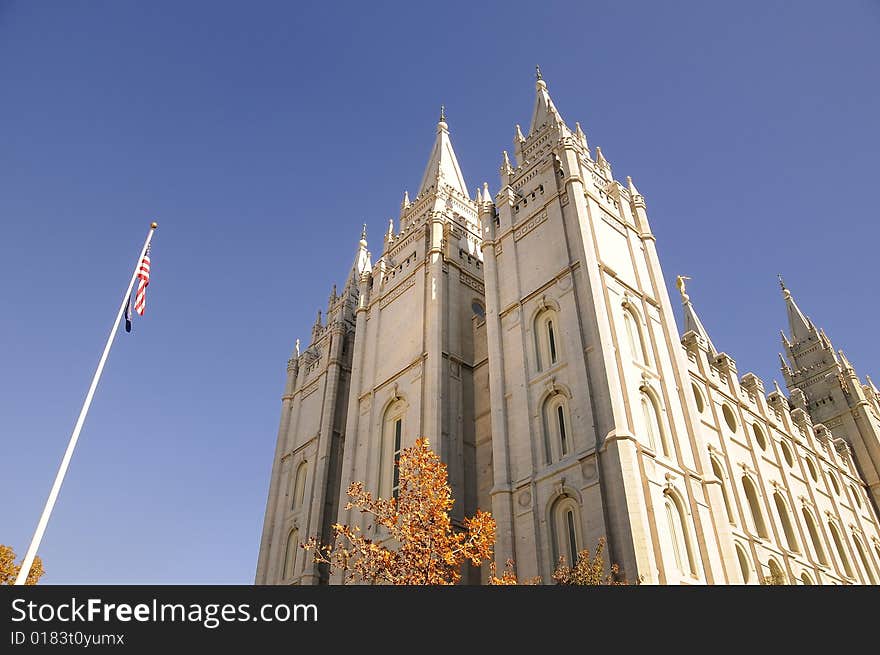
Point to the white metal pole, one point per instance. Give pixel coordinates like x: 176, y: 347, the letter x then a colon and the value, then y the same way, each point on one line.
x: 62, y: 470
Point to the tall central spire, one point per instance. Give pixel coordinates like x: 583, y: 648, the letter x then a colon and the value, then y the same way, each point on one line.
x: 800, y: 326
x: 545, y: 111
x: 442, y: 164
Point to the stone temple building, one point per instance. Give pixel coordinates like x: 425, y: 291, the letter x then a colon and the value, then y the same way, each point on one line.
x: 529, y: 335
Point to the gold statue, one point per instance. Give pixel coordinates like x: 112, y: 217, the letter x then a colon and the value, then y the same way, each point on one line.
x: 679, y: 282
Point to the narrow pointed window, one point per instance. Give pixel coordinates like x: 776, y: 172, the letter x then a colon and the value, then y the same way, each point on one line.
x: 754, y: 507
x: 566, y: 530
x: 551, y: 338
x: 560, y: 419
x: 391, y: 446
x: 653, y: 424
x: 863, y: 556
x: 681, y: 544
x: 299, y: 486
x: 841, y: 551
x: 814, y: 536
x: 290, y: 554
x: 718, y: 471
x: 395, y: 484
x: 784, y: 518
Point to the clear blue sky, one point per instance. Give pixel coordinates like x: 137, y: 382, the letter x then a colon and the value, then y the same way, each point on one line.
x: 261, y: 135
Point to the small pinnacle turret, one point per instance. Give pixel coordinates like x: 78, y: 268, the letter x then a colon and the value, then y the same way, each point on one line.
x: 581, y: 137
x: 692, y: 322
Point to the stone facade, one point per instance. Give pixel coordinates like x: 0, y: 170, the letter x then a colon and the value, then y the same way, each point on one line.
x: 531, y: 338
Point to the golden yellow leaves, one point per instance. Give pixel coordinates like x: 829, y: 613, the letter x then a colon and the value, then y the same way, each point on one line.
x: 9, y: 570
x: 419, y: 545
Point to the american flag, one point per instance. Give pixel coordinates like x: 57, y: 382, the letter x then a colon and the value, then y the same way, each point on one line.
x: 143, y: 276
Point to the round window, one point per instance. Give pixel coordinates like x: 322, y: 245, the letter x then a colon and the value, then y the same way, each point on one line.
x: 833, y: 482
x: 812, y: 469
x: 729, y: 418
x: 786, y: 453
x: 759, y: 437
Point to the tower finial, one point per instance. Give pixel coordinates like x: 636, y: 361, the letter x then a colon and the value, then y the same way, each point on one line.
x: 363, y: 242
x: 538, y: 75
x: 442, y: 113
x: 785, y: 292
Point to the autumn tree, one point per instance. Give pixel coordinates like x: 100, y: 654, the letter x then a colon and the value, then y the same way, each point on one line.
x: 415, y: 542
x: 9, y: 569
x: 588, y: 570
x: 775, y: 579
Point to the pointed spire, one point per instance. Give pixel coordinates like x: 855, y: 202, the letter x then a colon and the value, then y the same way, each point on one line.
x: 633, y: 191
x: 777, y: 389
x: 600, y: 158
x: 296, y: 347
x: 545, y: 112
x: 518, y: 136
x: 783, y: 364
x: 487, y: 197
x: 405, y: 203
x: 389, y: 235
x: 442, y: 163
x: 844, y: 360
x: 361, y: 262
x: 799, y: 325
x: 581, y: 137
x: 692, y: 322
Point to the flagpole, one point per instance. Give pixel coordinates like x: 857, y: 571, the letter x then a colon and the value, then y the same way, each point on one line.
x: 62, y: 470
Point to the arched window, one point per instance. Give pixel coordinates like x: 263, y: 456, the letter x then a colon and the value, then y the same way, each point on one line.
x: 290, y: 554
x: 814, y: 536
x: 557, y: 427
x: 833, y: 480
x: 566, y: 530
x: 547, y: 339
x: 299, y: 486
x: 856, y: 495
x: 754, y: 506
x: 653, y: 424
x: 784, y: 518
x: 806, y: 580
x: 682, y: 551
x: 719, y: 473
x: 392, y: 444
x: 698, y: 398
x: 863, y: 556
x: 759, y: 437
x: 633, y: 327
x: 776, y: 573
x: 841, y: 551
x: 744, y: 566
